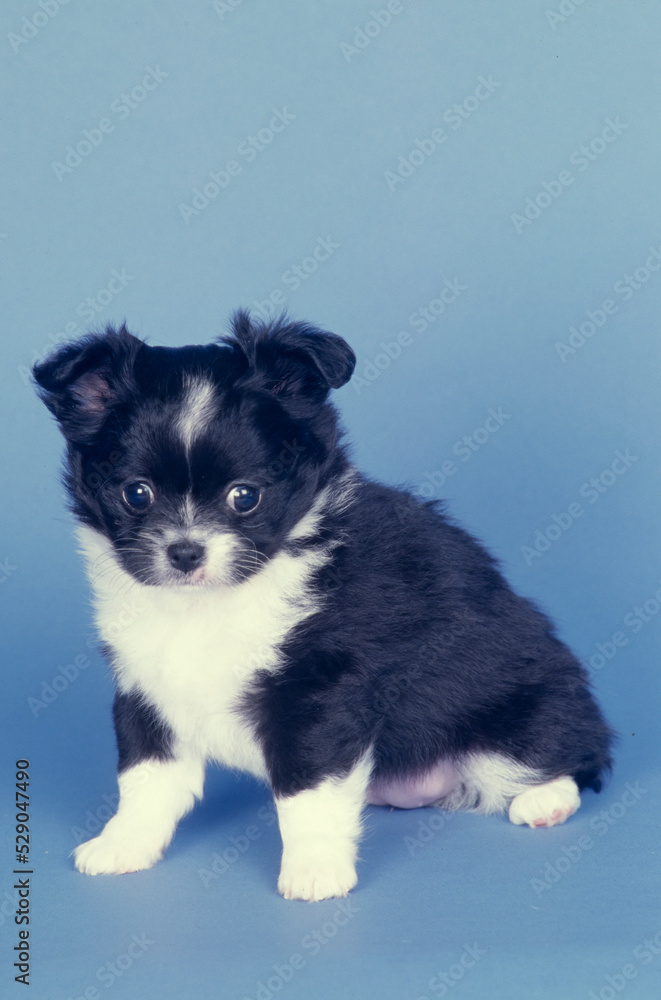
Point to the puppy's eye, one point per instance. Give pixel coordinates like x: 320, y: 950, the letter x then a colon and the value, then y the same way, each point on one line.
x: 138, y: 496
x: 243, y: 499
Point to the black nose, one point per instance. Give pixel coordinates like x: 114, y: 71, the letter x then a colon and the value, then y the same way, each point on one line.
x: 186, y: 556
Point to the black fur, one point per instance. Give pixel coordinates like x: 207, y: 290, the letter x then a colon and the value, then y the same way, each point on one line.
x: 424, y: 652
x: 141, y: 734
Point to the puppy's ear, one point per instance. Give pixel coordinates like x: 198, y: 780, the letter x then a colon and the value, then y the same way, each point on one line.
x: 81, y: 382
x: 292, y: 359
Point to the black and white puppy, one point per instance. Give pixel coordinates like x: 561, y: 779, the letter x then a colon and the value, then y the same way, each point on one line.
x: 266, y: 606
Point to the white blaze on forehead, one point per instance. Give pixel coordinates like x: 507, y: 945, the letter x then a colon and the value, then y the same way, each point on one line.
x: 198, y: 408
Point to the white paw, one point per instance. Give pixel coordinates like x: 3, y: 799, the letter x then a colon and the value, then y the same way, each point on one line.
x: 111, y: 855
x: 546, y: 805
x: 315, y: 876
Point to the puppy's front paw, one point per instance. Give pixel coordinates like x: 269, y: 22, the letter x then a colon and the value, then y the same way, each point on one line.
x: 315, y: 876
x: 546, y: 805
x: 111, y: 855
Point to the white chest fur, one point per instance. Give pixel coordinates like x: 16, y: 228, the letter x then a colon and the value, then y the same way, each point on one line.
x: 193, y: 650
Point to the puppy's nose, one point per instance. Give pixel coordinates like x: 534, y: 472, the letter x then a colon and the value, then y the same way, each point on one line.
x: 186, y: 555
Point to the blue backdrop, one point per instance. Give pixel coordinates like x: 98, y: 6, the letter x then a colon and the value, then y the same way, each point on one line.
x: 469, y: 193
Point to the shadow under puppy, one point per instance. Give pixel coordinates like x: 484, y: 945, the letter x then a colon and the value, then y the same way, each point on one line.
x: 265, y: 605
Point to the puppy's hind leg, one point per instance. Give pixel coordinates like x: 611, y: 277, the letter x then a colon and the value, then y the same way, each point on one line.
x: 546, y: 805
x: 320, y: 829
x: 153, y: 796
x: 494, y: 782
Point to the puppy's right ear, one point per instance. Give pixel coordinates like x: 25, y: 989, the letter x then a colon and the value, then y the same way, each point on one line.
x: 81, y: 382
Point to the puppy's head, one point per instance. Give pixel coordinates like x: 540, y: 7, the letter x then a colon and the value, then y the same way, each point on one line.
x: 197, y: 462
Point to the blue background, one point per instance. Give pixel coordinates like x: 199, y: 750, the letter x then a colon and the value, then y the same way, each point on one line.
x: 374, y: 163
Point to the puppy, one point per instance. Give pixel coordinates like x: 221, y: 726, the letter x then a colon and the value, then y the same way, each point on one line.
x: 264, y: 605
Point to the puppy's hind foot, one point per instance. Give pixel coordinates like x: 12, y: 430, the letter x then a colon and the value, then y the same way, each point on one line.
x: 546, y: 805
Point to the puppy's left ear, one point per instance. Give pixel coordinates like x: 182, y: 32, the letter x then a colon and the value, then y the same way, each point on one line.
x: 293, y: 359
